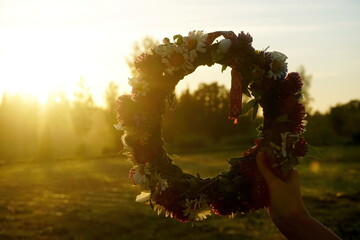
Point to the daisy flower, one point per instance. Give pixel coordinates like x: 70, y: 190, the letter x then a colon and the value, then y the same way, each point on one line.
x: 284, y: 143
x: 139, y: 175
x: 143, y: 197
x: 278, y: 65
x: 139, y: 86
x: 162, y: 183
x: 196, y: 209
x: 174, y: 57
x: 159, y: 209
x: 195, y: 42
x: 224, y: 46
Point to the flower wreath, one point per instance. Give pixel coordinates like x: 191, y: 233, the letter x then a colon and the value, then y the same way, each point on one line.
x: 258, y: 74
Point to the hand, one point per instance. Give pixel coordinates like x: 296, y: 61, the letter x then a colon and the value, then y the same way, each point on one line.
x: 286, y: 207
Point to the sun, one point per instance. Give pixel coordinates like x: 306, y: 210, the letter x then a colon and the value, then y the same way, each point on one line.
x: 50, y: 62
x: 40, y: 65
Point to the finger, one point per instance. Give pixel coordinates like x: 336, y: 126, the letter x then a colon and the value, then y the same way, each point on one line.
x: 293, y: 177
x: 265, y: 169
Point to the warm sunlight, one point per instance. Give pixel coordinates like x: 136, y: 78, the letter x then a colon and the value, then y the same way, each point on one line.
x: 46, y: 62
x: 90, y: 127
x: 46, y: 46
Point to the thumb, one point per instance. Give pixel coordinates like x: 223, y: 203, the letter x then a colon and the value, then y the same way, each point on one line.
x: 265, y: 169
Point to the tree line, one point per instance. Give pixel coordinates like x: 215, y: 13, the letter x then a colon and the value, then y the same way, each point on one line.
x: 194, y: 120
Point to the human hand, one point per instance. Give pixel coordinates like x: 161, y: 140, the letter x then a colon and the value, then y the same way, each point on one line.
x: 286, y: 207
x: 285, y: 203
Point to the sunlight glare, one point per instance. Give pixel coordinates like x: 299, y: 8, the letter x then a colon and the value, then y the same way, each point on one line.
x: 46, y: 62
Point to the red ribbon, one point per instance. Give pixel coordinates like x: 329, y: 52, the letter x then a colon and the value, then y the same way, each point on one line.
x: 235, y: 95
x: 235, y: 105
x: 214, y: 35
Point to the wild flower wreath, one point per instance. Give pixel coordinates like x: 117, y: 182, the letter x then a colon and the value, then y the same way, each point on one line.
x: 258, y: 74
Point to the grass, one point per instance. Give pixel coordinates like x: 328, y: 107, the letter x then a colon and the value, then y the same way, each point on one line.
x: 93, y: 199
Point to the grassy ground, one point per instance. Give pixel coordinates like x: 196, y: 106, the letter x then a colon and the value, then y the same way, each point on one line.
x: 93, y: 199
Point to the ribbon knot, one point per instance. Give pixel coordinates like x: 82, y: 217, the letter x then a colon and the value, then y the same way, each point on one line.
x: 235, y: 104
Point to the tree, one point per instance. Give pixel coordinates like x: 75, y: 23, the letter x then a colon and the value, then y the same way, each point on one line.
x: 307, y: 99
x: 111, y: 94
x: 19, y: 118
x: 345, y: 121
x: 83, y: 105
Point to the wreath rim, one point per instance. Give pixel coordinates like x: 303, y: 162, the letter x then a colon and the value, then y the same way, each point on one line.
x: 260, y: 74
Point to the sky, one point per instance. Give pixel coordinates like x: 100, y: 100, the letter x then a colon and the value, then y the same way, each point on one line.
x: 46, y: 46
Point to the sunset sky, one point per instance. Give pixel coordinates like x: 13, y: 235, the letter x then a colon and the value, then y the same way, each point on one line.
x: 46, y: 46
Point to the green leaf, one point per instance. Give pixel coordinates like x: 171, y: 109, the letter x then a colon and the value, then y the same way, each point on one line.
x: 294, y: 161
x: 229, y: 188
x: 255, y: 110
x: 246, y: 92
x: 286, y: 167
x: 282, y: 118
x: 257, y: 94
x: 178, y: 39
x: 234, y: 161
x: 314, y: 152
x: 223, y: 68
x: 225, y: 181
x: 238, y: 179
x: 299, y: 96
x: 249, y: 105
x: 192, y: 182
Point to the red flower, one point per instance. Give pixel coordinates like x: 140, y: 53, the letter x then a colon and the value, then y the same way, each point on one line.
x: 221, y: 205
x: 131, y: 175
x: 258, y: 189
x: 142, y: 154
x: 287, y: 104
x: 149, y: 64
x: 300, y: 148
x: 259, y: 195
x: 170, y: 201
x: 292, y: 83
x: 296, y: 117
x: 253, y: 149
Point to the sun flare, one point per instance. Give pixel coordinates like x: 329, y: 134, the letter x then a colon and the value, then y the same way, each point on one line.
x: 41, y: 65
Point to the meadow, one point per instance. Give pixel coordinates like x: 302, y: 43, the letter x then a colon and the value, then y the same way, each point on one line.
x: 93, y: 198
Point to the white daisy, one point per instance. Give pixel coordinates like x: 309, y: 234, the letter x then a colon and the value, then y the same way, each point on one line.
x: 224, y: 46
x: 140, y: 85
x: 162, y: 183
x: 197, y: 209
x: 143, y: 197
x: 195, y: 42
x: 159, y: 209
x: 175, y: 57
x: 278, y: 65
x: 141, y: 175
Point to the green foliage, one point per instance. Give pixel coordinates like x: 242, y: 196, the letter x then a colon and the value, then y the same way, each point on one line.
x: 201, y: 118
x: 29, y: 131
x: 18, y: 127
x: 81, y: 114
x: 306, y: 97
x: 340, y: 126
x: 345, y: 120
x: 248, y: 106
x: 111, y: 94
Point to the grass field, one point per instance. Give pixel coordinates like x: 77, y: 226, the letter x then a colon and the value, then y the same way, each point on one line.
x: 93, y: 199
